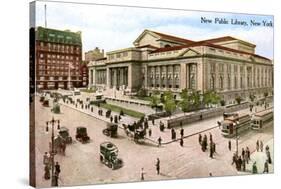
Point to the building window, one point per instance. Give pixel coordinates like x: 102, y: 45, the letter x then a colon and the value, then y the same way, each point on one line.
x: 241, y: 82
x: 229, y: 82
x: 221, y: 82
x: 235, y: 82
x: 212, y: 82
x: 192, y: 82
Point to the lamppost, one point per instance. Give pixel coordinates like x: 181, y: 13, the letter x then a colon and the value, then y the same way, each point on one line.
x: 237, y: 137
x: 53, y: 152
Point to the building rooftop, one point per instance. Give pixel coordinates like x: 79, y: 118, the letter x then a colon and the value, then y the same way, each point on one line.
x: 58, y: 36
x: 173, y: 38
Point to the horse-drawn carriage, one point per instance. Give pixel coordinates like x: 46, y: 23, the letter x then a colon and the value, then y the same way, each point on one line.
x: 136, y: 131
x: 62, y: 140
x: 111, y: 130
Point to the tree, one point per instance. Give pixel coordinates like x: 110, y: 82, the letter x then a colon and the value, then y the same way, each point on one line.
x: 170, y: 106
x: 252, y: 97
x: 154, y: 101
x: 195, y: 98
x: 185, y: 105
x: 211, y: 97
x: 184, y: 94
x: 238, y: 99
x: 141, y: 93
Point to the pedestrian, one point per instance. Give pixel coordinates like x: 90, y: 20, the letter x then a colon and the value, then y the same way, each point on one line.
x: 47, y: 172
x: 63, y: 147
x: 243, y: 153
x: 57, y: 168
x: 181, y: 142
x: 200, y: 138
x: 265, y: 170
x: 248, y: 153
x: 214, y: 147
x: 257, y: 145
x: 229, y: 145
x: 149, y: 132
x: 142, y: 174
x: 219, y: 124
x: 267, y: 148
x: 172, y: 133
x: 46, y: 159
x: 182, y: 132
x: 239, y: 163
x: 153, y: 121
x: 158, y: 166
x: 159, y: 141
x: 254, y: 168
x: 211, y: 137
x: 261, y: 146
x: 268, y: 157
x: 243, y: 165
x: 111, y: 119
x: 211, y: 151
x: 246, y: 157
x: 234, y: 158
x: 56, y: 179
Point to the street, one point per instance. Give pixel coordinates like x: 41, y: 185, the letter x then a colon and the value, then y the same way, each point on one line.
x: 81, y: 164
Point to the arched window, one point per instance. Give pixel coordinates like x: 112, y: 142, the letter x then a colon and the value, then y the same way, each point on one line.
x: 221, y: 82
x: 192, y: 82
x: 228, y: 82
x: 235, y: 82
x: 212, y: 82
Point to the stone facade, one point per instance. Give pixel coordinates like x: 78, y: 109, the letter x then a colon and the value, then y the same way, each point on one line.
x: 58, y: 59
x: 160, y: 62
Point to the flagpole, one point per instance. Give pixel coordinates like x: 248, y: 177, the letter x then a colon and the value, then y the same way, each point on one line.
x: 69, y: 75
x: 45, y: 15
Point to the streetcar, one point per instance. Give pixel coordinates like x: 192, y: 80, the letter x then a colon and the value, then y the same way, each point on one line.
x: 235, y: 124
x: 261, y: 119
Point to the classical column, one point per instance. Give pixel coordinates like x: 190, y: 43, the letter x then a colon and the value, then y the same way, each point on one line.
x: 182, y: 76
x: 108, y: 77
x: 121, y: 76
x: 145, y: 76
x: 130, y: 84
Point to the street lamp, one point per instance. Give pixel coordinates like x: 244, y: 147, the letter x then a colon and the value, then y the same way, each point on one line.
x: 236, y: 132
x: 53, y: 152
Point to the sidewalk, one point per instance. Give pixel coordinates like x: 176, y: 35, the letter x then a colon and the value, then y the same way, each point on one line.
x: 260, y: 158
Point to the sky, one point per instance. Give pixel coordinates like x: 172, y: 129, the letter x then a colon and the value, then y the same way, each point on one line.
x: 114, y: 27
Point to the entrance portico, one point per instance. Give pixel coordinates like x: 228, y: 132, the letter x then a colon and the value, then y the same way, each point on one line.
x: 117, y: 77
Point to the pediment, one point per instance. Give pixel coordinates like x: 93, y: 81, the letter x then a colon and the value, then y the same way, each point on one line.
x: 147, y: 38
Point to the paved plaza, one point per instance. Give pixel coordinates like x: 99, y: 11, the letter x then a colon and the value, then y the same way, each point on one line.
x: 81, y: 164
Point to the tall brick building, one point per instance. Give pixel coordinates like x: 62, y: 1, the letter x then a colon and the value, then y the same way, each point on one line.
x: 58, y: 59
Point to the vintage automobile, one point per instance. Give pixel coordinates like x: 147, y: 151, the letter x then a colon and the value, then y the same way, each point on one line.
x: 111, y: 130
x: 64, y: 133
x: 108, y: 155
x: 81, y: 134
